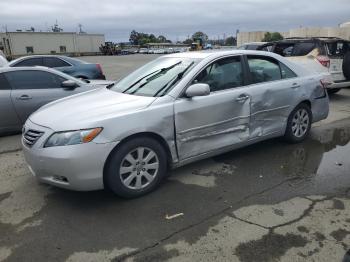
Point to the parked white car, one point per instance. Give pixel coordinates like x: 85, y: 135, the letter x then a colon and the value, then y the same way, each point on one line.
x: 327, y: 55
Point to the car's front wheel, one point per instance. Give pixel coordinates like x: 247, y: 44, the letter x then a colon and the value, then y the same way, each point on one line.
x: 136, y: 168
x: 299, y: 124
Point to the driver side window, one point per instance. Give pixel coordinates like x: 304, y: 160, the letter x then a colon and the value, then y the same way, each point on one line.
x: 222, y: 74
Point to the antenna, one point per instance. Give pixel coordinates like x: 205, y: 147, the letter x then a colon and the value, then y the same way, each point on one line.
x: 81, y: 29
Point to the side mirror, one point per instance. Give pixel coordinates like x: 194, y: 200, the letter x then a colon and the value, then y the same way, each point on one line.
x: 69, y: 84
x: 198, y: 90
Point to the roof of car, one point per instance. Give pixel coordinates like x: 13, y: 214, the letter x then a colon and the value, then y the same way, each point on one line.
x: 218, y: 53
x: 24, y: 68
x: 308, y: 39
x: 255, y: 43
x: 66, y: 58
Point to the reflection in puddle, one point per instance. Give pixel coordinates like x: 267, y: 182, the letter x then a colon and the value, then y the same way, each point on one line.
x: 270, y: 159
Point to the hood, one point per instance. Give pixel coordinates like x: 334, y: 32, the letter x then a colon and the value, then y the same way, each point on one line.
x: 86, y: 110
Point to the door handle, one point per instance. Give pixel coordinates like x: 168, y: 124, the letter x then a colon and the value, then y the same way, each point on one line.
x: 242, y: 98
x: 24, y: 97
x: 295, y: 85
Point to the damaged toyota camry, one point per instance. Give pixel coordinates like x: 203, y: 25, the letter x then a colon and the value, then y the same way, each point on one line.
x: 174, y: 110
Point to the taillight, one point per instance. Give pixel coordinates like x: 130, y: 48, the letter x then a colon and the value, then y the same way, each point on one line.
x: 324, y: 60
x: 99, y: 68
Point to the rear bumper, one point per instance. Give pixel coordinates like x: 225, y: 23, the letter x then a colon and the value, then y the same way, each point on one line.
x: 340, y: 84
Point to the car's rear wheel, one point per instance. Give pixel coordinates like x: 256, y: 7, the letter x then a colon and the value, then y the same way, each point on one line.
x: 299, y: 124
x: 136, y: 168
x: 346, y: 65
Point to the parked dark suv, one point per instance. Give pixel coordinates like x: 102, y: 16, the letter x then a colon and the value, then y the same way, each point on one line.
x: 322, y: 54
x: 65, y: 64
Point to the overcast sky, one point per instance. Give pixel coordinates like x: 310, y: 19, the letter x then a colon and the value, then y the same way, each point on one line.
x: 173, y: 18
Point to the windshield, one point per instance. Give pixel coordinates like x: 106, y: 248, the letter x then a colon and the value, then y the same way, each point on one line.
x: 155, y: 78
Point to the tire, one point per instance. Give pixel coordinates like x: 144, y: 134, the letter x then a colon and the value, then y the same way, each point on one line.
x: 346, y: 65
x: 138, y: 177
x: 331, y: 91
x: 299, y: 119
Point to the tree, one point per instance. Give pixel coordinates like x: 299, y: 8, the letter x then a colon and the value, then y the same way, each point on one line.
x: 230, y: 41
x: 137, y: 38
x: 200, y: 35
x: 134, y: 37
x: 162, y: 39
x: 187, y: 41
x: 152, y: 38
x: 271, y: 37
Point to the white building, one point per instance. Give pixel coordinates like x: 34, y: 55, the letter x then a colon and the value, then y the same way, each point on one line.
x: 16, y: 44
x: 343, y: 31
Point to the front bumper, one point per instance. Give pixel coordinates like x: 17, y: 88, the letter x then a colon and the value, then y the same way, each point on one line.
x: 76, y: 167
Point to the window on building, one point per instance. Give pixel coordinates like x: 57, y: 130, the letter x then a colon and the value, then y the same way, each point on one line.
x: 63, y: 49
x: 30, y: 50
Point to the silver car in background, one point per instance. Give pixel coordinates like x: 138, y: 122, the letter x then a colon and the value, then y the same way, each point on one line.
x: 175, y: 110
x: 25, y: 89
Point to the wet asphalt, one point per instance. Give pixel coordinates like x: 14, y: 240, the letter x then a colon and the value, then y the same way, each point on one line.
x: 43, y: 223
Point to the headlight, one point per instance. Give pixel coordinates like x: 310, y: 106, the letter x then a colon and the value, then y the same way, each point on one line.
x: 72, y: 137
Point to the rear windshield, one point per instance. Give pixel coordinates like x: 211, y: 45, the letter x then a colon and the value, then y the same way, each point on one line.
x: 294, y: 49
x: 337, y: 49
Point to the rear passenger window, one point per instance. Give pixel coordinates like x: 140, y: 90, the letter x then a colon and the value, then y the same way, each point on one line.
x: 263, y: 69
x: 287, y: 72
x: 222, y: 74
x: 302, y: 49
x: 294, y: 49
x: 54, y: 62
x: 38, y: 61
x: 33, y: 80
x: 4, y: 85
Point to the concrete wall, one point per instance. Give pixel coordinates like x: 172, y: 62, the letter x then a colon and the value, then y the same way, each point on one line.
x: 87, y: 43
x: 247, y: 37
x: 347, y: 24
x: 341, y: 32
x: 50, y: 43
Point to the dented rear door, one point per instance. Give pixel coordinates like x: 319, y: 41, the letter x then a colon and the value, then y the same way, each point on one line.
x: 274, y: 89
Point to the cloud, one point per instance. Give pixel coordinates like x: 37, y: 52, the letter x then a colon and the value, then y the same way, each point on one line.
x: 173, y: 18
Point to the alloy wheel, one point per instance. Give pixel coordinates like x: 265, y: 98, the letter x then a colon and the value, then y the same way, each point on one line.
x: 139, y: 168
x: 300, y: 123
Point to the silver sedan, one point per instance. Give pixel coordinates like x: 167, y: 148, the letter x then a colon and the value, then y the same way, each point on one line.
x: 23, y: 90
x: 175, y: 110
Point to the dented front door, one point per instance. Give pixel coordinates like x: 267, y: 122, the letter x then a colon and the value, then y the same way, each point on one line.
x: 208, y: 123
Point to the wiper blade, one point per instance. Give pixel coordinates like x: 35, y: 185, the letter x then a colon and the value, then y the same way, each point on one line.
x: 168, y: 85
x: 110, y: 86
x: 165, y: 69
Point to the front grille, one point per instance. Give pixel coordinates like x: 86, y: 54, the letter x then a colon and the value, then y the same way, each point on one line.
x: 31, y: 136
